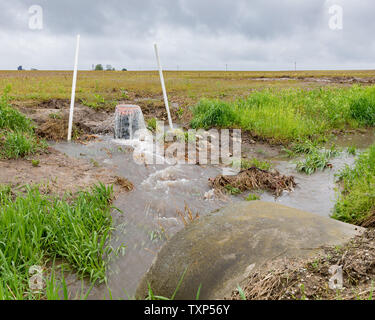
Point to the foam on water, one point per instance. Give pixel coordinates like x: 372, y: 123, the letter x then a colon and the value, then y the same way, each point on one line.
x: 164, y: 179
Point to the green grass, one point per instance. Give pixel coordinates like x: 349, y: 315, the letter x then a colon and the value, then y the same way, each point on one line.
x: 290, y: 115
x: 213, y: 113
x: 17, y: 137
x: 352, y: 150
x: 356, y: 200
x: 151, y: 124
x: 362, y: 109
x: 254, y: 162
x: 37, y: 228
x: 304, y: 147
x: 316, y: 160
x: 252, y: 197
x: 232, y: 190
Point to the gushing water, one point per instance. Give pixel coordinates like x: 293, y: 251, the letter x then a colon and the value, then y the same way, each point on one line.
x: 128, y: 120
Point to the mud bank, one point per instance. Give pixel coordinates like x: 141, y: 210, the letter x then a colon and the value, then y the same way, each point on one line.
x: 51, y: 117
x: 57, y: 173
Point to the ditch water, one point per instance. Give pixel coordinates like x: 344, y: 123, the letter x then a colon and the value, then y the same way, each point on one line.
x: 149, y: 213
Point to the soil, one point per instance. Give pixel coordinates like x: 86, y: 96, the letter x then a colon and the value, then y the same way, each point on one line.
x: 58, y: 173
x: 328, y: 79
x: 286, y: 279
x: 51, y: 117
x: 255, y: 147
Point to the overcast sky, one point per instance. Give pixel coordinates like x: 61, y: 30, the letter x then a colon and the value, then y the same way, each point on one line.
x: 191, y: 34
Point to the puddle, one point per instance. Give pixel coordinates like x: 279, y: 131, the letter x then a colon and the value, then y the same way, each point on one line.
x: 314, y: 193
x: 150, y: 216
x: 359, y: 140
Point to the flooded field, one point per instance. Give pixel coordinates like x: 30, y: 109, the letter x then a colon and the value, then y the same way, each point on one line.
x: 150, y: 212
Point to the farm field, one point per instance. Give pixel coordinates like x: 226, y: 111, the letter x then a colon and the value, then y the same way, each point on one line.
x: 103, y: 88
x: 316, y: 127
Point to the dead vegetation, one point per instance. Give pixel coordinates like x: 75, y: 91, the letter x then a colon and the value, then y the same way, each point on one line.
x: 187, y: 216
x: 297, y: 279
x: 369, y: 222
x: 54, y: 129
x: 124, y: 183
x: 254, y: 179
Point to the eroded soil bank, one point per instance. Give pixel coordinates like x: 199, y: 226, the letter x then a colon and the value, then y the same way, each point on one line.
x: 57, y: 173
x: 51, y: 117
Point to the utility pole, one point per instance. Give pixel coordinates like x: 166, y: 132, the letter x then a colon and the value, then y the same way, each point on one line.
x: 295, y: 65
x: 226, y: 67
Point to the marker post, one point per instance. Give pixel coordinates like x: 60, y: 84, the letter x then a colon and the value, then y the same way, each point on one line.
x: 163, y: 86
x: 73, y: 91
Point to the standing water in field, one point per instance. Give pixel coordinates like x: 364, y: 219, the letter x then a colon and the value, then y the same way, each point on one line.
x: 158, y: 206
x: 128, y: 119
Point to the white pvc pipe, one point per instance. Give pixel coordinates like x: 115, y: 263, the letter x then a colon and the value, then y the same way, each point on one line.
x: 163, y: 86
x: 73, y: 91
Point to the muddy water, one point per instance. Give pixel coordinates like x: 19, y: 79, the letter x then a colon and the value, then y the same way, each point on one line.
x: 314, y: 193
x: 149, y: 213
x: 360, y: 140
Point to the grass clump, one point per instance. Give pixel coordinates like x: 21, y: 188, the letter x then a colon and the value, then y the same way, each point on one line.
x: 36, y: 228
x: 252, y: 197
x: 362, y: 108
x: 317, y: 160
x: 232, y: 190
x: 18, y: 145
x: 151, y: 124
x: 304, y: 147
x: 10, y: 118
x: 254, y: 162
x: 213, y: 113
x: 352, y: 150
x: 356, y: 201
x: 17, y: 137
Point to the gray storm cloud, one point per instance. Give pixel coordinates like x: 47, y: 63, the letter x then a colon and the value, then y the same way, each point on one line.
x: 192, y: 34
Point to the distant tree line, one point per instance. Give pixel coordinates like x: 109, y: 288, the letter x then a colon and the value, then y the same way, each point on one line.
x: 108, y: 67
